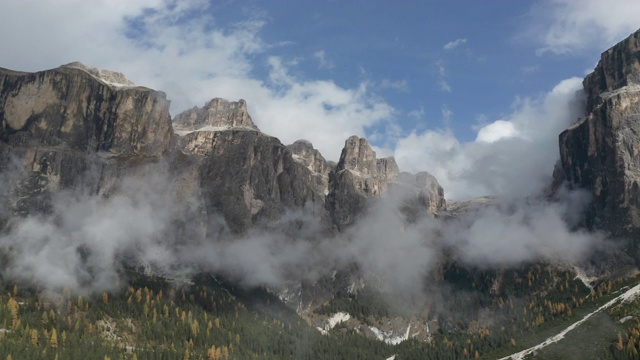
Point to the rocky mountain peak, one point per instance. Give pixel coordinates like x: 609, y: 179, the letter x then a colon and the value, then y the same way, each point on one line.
x: 357, y: 156
x: 110, y: 77
x: 618, y: 68
x: 72, y: 106
x: 305, y: 154
x: 358, y: 176
x: 217, y: 114
x: 600, y: 152
x: 428, y: 192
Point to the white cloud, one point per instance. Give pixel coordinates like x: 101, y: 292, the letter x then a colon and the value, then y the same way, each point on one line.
x: 417, y: 114
x: 399, y: 85
x: 530, y: 69
x: 568, y: 25
x: 454, y: 44
x: 442, y: 77
x: 323, y: 61
x: 511, y: 157
x: 446, y: 113
x: 444, y: 86
x: 193, y: 58
x: 495, y: 131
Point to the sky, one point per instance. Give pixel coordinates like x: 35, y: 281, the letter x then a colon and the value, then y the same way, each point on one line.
x: 474, y: 92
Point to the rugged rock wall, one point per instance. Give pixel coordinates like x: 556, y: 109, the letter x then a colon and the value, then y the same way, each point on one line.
x: 304, y: 153
x: 426, y: 191
x: 360, y: 176
x: 77, y: 126
x: 249, y: 177
x: 600, y: 151
x: 217, y: 114
x: 57, y: 124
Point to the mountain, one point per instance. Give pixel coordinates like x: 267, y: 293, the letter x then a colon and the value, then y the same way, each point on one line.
x: 599, y: 152
x: 116, y: 218
x: 61, y: 122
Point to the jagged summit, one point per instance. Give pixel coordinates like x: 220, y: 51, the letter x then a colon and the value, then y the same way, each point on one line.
x: 72, y: 107
x: 216, y: 115
x: 360, y: 175
x: 358, y: 157
x: 113, y: 78
x: 618, y: 69
x: 599, y: 153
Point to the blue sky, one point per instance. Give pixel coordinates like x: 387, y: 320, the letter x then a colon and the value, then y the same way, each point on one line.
x: 474, y: 92
x: 401, y: 48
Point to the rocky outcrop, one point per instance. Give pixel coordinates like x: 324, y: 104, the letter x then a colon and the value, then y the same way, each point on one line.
x: 358, y: 176
x: 217, y: 114
x: 304, y: 153
x: 57, y: 124
x: 69, y: 107
x: 249, y: 177
x: 78, y: 126
x: 425, y: 190
x: 600, y: 152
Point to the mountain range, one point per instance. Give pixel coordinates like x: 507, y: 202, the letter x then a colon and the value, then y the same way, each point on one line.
x: 100, y: 186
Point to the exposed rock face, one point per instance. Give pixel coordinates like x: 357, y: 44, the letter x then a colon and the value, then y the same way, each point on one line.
x: 304, y: 153
x: 68, y: 107
x: 249, y: 177
x: 59, y: 123
x: 358, y: 176
x: 600, y: 152
x: 426, y: 189
x: 78, y: 126
x: 217, y: 114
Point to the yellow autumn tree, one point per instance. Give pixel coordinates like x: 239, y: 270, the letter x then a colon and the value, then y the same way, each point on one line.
x: 53, y: 340
x: 34, y: 337
x: 12, y: 304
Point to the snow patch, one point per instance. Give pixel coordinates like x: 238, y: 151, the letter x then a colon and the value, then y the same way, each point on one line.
x: 626, y: 318
x: 389, y: 337
x: 183, y: 132
x: 582, y: 276
x: 334, y: 320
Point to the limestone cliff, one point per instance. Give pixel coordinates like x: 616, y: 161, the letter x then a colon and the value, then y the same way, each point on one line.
x: 76, y: 126
x: 57, y: 124
x: 304, y: 153
x: 249, y: 177
x: 600, y: 152
x: 426, y: 190
x: 216, y: 114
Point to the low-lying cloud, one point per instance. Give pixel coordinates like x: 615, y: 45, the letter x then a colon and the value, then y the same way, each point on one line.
x: 83, y: 242
x: 511, y: 157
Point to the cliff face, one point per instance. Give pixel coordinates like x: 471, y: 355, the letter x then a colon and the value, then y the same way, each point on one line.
x: 216, y: 114
x: 57, y: 124
x: 249, y: 177
x: 75, y: 126
x: 70, y: 107
x: 600, y: 152
x: 360, y: 176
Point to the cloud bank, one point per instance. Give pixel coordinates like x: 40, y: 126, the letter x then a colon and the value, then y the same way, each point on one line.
x: 170, y: 46
x: 181, y: 48
x: 510, y: 157
x: 565, y: 26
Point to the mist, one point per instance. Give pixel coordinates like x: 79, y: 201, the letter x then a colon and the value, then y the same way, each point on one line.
x: 156, y: 222
x: 510, y: 157
x: 86, y: 238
